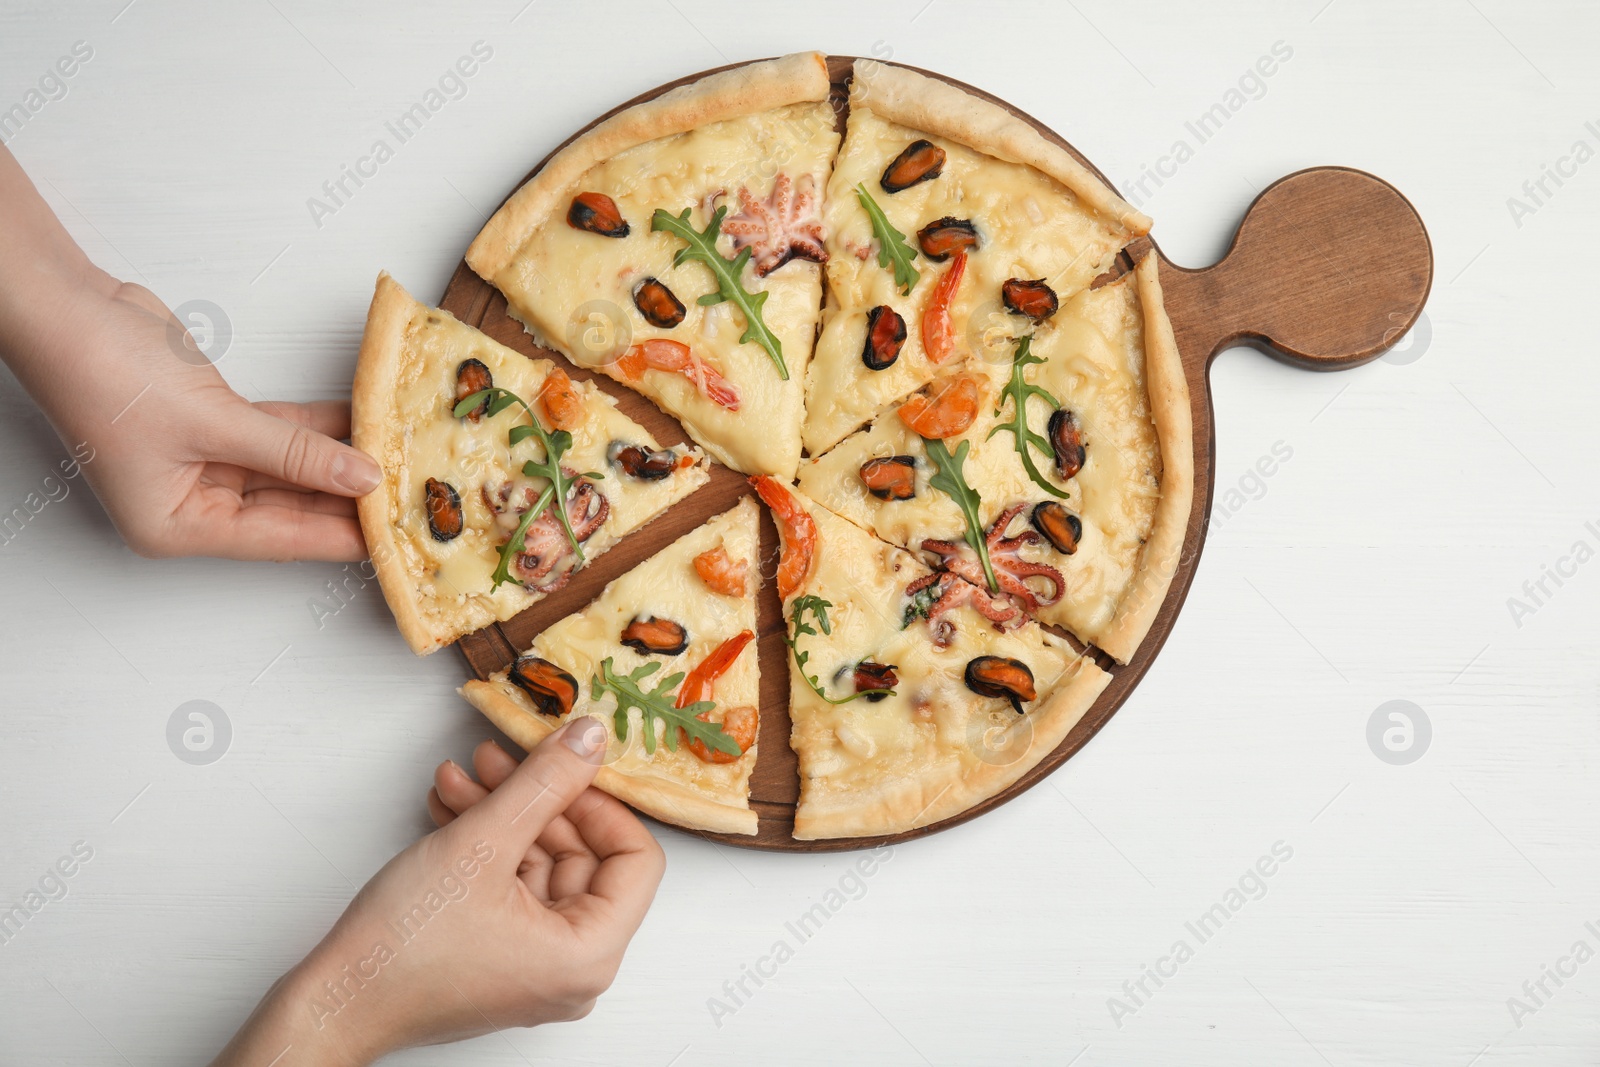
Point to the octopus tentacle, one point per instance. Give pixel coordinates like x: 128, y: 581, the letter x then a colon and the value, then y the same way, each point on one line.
x: 1011, y: 571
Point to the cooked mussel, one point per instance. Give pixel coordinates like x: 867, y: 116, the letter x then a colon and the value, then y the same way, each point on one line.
x: 553, y: 690
x: 891, y: 477
x: 658, y: 304
x: 943, y: 238
x: 1034, y: 299
x: 445, y: 520
x: 597, y: 213
x: 655, y: 637
x: 875, y: 679
x: 473, y: 377
x: 641, y: 463
x: 1066, y: 437
x: 1060, y: 527
x: 919, y: 161
x: 997, y: 676
x: 886, y: 332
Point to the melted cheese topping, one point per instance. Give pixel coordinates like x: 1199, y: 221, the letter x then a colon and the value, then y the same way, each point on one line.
x: 1094, y: 353
x: 1030, y: 226
x: 453, y: 577
x: 667, y: 586
x: 574, y: 289
x: 932, y: 718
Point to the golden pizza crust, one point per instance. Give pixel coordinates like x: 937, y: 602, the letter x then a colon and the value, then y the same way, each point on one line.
x: 1168, y: 391
x: 792, y: 79
x: 937, y: 107
x: 376, y: 431
x: 665, y: 800
x: 943, y: 792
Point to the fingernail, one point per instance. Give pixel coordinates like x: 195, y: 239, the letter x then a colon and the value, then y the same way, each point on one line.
x: 585, y: 736
x: 356, y: 472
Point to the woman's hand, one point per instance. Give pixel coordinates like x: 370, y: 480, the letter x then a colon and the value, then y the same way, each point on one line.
x: 515, y: 912
x: 184, y: 465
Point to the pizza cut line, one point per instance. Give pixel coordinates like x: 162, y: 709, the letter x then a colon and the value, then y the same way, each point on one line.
x: 971, y: 440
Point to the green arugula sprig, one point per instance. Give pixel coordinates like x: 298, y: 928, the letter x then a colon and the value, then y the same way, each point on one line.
x: 656, y: 704
x: 953, y: 483
x: 892, y: 247
x: 815, y: 605
x: 556, y: 443
x: 702, y: 245
x: 1018, y: 391
x: 921, y: 604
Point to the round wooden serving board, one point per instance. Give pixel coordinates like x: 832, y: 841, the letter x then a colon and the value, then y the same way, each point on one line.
x: 1328, y: 269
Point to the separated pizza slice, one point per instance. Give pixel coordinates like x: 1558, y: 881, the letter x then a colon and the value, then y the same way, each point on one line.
x: 1080, y: 504
x: 913, y: 695
x: 666, y: 657
x: 677, y: 247
x: 948, y: 219
x: 469, y: 525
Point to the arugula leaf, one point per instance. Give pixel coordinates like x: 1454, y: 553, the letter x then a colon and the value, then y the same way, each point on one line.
x: 556, y: 443
x: 892, y: 247
x: 656, y: 704
x: 953, y: 484
x: 1018, y: 391
x: 702, y: 245
x: 817, y: 606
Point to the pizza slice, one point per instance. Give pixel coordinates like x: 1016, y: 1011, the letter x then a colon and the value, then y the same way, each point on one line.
x: 947, y: 219
x: 913, y: 694
x: 469, y: 525
x: 1079, y: 503
x: 666, y: 657
x: 677, y: 247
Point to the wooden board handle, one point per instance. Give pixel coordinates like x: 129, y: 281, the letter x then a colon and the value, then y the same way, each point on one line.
x: 1330, y: 267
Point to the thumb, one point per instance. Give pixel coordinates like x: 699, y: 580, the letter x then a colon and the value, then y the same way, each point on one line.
x: 555, y: 774
x: 296, y: 454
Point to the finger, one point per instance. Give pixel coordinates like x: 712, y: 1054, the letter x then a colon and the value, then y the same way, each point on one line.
x: 331, y: 418
x: 321, y: 503
x: 492, y: 764
x: 631, y: 862
x: 574, y: 863
x: 458, y: 791
x: 442, y: 815
x: 283, y: 448
x: 268, y: 532
x: 555, y: 773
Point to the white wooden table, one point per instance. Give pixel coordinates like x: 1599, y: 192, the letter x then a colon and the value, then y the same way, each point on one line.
x: 1376, y: 563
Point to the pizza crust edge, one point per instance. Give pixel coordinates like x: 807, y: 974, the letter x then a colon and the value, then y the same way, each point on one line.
x: 376, y: 429
x: 896, y: 810
x: 793, y: 79
x: 1168, y: 391
x: 657, y: 798
x: 922, y: 103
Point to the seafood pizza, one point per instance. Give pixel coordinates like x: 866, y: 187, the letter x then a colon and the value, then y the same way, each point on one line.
x: 666, y: 657
x: 483, y: 448
x: 915, y: 325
